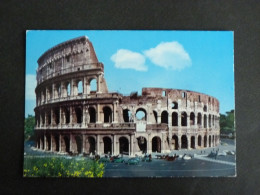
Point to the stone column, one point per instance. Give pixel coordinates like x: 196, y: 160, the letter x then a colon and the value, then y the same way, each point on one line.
x: 52, y: 117
x: 179, y: 142
x: 51, y: 144
x: 188, y: 120
x: 132, y: 145
x: 71, y: 115
x: 196, y: 141
x: 98, y: 145
x: 149, y: 144
x: 45, y: 141
x: 159, y: 119
x: 53, y: 91
x: 98, y: 84
x: 71, y: 147
x: 84, y: 85
x: 114, y: 145
x: 72, y: 87
x: 195, y: 119
x: 188, y: 142
x: 60, y: 142
x: 83, y: 143
x: 179, y: 119
x: 202, y: 141
x: 60, y: 116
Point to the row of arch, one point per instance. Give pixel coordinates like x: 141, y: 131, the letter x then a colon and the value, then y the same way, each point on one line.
x: 77, y: 144
x: 65, y: 89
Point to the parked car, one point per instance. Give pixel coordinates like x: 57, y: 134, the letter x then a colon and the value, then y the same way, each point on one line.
x: 132, y: 161
x: 104, y: 160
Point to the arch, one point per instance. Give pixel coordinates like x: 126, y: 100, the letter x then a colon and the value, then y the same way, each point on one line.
x: 67, y: 144
x: 57, y: 143
x: 176, y: 143
x: 79, y: 143
x: 78, y: 112
x: 184, y: 141
x: 42, y: 142
x: 210, y: 141
x: 67, y: 115
x: 107, y: 114
x: 205, y: 121
x: 199, y: 140
x: 209, y: 120
x: 140, y: 114
x: 205, y: 108
x: 68, y: 89
x: 48, y: 140
x: 93, y: 84
x: 57, y: 115
x: 205, y: 141
x: 58, y: 89
x: 183, y: 119
x: 123, y: 145
x: 213, y: 120
x: 142, y: 143
x: 155, y: 116
x: 164, y: 117
x: 48, y: 117
x: 174, y: 105
x: 107, y: 145
x: 174, y: 119
x: 199, y: 119
x: 92, y: 115
x: 192, y: 142
x: 43, y: 118
x: 80, y: 87
x: 127, y: 115
x: 91, y: 146
x: 192, y: 118
x: 156, y: 144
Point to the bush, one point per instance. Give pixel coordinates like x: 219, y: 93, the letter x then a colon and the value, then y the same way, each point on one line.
x: 61, y: 167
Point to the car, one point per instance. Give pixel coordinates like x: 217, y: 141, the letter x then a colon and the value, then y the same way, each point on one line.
x: 104, y: 160
x: 118, y: 160
x: 132, y: 161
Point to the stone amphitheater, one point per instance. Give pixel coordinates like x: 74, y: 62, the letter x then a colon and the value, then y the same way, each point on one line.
x: 75, y: 112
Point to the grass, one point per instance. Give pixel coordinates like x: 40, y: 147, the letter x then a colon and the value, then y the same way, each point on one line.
x: 62, y: 167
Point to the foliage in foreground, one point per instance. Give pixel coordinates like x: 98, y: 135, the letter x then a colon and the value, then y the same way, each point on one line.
x: 62, y: 167
x: 29, y: 123
x: 227, y: 122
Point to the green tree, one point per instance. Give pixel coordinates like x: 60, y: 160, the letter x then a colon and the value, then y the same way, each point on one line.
x: 227, y: 122
x: 29, y: 124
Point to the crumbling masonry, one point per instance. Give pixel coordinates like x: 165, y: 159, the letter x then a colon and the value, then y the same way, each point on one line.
x: 72, y: 117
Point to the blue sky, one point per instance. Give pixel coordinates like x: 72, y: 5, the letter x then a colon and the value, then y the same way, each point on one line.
x: 200, y: 61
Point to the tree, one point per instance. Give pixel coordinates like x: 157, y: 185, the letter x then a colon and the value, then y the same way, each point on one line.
x: 29, y: 124
x: 227, y: 122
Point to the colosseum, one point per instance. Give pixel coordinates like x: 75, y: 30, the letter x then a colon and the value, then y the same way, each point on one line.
x: 75, y: 112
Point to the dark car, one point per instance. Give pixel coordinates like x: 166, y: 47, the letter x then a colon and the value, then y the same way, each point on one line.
x: 118, y: 160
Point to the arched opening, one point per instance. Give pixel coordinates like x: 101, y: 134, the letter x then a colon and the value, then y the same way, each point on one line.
x: 199, y: 119
x: 43, y: 118
x: 142, y: 143
x: 183, y: 119
x: 184, y: 141
x: 93, y: 85
x: 48, y: 117
x: 68, y: 89
x: 192, y: 143
x: 48, y: 139
x: 58, y: 90
x: 174, y: 119
x: 107, y: 145
x: 155, y: 116
x: 205, y: 121
x: 209, y: 141
x: 80, y: 87
x: 199, y: 141
x: 92, y: 145
x: 209, y: 120
x: 123, y: 145
x: 205, y: 108
x: 140, y: 114
x: 213, y: 120
x: 175, y: 142
x: 205, y: 141
x: 164, y: 117
x: 78, y: 111
x: 174, y: 105
x: 67, y: 144
x: 57, y: 115
x: 127, y: 115
x: 192, y: 118
x: 79, y: 144
x: 107, y: 114
x: 67, y: 115
x: 42, y: 141
x: 92, y: 115
x: 156, y: 144
x: 57, y: 143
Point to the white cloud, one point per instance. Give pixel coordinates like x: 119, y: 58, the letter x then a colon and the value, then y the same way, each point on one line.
x: 126, y: 59
x: 169, y: 55
x: 30, y: 84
